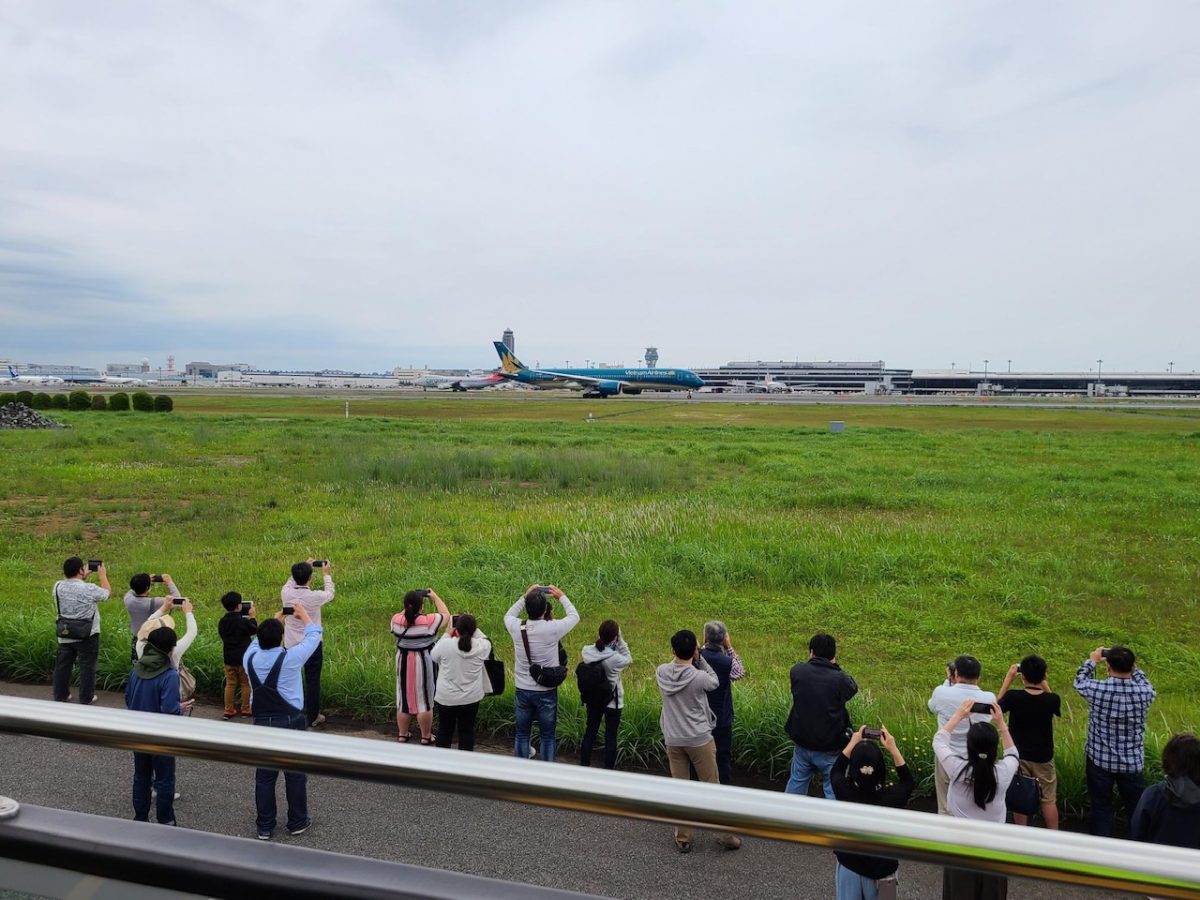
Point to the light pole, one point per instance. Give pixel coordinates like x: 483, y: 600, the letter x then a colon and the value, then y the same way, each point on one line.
x: 1170, y: 367
x: 1099, y: 363
x: 1010, y: 367
x: 985, y: 365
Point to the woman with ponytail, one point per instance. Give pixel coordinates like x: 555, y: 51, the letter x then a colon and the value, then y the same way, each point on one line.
x: 978, y: 785
x: 612, y: 653
x: 415, y: 633
x: 859, y: 775
x: 461, y: 679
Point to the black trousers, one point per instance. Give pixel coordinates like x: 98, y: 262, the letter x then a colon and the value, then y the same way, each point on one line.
x: 723, y: 738
x: 87, y: 651
x: 612, y: 724
x: 460, y: 718
x: 312, y: 684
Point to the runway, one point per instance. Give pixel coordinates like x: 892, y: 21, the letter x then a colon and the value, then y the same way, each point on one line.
x: 578, y: 851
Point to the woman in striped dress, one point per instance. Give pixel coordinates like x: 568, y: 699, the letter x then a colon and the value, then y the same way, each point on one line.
x: 415, y: 636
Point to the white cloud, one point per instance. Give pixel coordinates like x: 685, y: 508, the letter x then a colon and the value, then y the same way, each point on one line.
x: 919, y: 182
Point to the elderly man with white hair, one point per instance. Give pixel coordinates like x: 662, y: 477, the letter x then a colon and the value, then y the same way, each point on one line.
x: 718, y: 652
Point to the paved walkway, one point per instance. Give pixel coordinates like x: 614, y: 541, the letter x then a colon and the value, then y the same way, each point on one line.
x: 614, y: 857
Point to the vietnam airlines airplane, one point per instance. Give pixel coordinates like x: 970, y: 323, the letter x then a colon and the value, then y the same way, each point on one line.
x: 597, y: 382
x: 14, y: 378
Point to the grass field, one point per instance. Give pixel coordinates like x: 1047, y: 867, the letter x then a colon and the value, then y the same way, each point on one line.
x: 918, y: 534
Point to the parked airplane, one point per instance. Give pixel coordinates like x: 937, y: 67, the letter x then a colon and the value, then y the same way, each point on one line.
x: 117, y: 379
x: 14, y: 378
x: 768, y: 386
x: 597, y: 382
x: 459, y: 382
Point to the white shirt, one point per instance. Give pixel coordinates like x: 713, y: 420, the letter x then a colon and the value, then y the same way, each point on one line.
x: 543, y: 640
x: 181, y: 645
x: 961, y: 795
x: 460, y: 675
x: 946, y: 700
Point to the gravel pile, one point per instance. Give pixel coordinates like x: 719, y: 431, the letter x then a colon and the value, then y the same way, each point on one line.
x: 18, y: 415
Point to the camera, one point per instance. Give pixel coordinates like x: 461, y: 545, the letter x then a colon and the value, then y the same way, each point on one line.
x: 454, y: 621
x: 872, y: 734
x: 320, y: 563
x: 289, y: 610
x: 246, y: 604
x: 156, y: 579
x: 95, y: 564
x: 981, y: 708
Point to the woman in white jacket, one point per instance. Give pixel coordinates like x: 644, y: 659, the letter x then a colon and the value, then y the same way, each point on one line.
x: 611, y: 651
x: 459, y: 656
x: 161, y: 618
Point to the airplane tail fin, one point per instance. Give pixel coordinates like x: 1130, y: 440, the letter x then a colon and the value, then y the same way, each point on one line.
x: 508, y: 362
x: 11, y: 373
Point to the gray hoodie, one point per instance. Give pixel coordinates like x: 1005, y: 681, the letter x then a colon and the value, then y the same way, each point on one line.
x: 687, y: 720
x: 614, y: 658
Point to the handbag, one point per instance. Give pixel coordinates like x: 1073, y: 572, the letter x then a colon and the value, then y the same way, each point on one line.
x: 1023, y: 797
x: 71, y: 629
x: 493, y: 675
x: 187, y: 684
x: 546, y: 676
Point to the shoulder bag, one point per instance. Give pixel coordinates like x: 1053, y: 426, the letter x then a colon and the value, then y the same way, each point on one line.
x: 546, y: 676
x: 71, y: 629
x: 493, y: 674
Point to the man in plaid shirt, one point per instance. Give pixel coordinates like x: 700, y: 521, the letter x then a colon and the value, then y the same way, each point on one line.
x: 1116, y: 753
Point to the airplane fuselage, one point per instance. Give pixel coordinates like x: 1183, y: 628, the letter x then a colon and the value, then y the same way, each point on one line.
x: 628, y: 379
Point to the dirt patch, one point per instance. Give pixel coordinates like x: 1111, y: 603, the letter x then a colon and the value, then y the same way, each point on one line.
x: 233, y: 460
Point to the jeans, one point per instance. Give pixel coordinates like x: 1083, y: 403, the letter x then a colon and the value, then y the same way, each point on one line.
x: 87, y: 651
x: 236, y: 676
x: 295, y: 783
x: 543, y: 705
x: 312, y: 683
x: 852, y: 886
x: 461, y: 718
x: 612, y: 724
x: 806, y: 763
x: 1100, y: 783
x: 159, y: 770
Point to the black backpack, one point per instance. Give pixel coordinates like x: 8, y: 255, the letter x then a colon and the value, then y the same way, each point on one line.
x: 594, y: 687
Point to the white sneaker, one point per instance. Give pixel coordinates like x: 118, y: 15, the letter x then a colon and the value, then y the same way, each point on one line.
x: 318, y: 721
x: 532, y: 751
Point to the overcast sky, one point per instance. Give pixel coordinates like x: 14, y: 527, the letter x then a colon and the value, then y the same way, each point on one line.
x: 370, y: 184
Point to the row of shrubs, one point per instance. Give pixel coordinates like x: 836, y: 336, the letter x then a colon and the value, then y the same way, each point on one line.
x: 80, y: 400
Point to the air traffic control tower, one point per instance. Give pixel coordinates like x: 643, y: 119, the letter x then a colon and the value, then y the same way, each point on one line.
x: 509, y: 341
x: 651, y: 357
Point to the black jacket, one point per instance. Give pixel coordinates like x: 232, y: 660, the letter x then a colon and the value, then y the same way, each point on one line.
x: 720, y: 701
x: 820, y: 692
x: 1169, y: 813
x: 236, y: 633
x: 896, y: 796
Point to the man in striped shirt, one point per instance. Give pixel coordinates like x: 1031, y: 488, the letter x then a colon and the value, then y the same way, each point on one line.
x: 1116, y: 734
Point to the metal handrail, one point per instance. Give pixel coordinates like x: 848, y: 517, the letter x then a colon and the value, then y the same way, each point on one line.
x: 942, y: 840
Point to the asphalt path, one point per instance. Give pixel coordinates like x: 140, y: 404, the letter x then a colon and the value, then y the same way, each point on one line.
x: 577, y: 851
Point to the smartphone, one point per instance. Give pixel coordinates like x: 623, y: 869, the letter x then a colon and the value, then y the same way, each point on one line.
x: 246, y: 607
x: 95, y: 564
x: 873, y: 734
x: 426, y: 592
x: 319, y: 563
x: 454, y: 621
x: 289, y: 611
x: 984, y: 709
x: 157, y: 579
x: 1103, y: 650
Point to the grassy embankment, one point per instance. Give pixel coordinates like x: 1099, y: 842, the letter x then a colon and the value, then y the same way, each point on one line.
x: 918, y: 534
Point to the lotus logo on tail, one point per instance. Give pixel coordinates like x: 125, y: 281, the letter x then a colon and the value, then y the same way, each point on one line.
x: 508, y: 362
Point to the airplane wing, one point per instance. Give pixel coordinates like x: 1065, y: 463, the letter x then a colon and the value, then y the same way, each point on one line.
x: 585, y: 380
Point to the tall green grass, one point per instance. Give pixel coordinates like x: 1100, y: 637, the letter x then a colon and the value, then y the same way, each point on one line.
x: 910, y: 545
